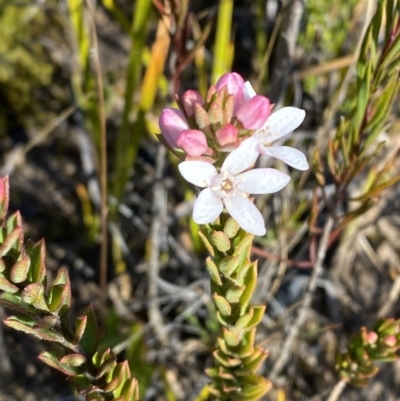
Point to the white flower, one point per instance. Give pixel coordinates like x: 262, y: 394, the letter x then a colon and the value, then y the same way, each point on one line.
x: 276, y: 126
x: 231, y: 187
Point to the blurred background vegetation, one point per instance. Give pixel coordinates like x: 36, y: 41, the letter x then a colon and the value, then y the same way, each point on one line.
x: 57, y: 128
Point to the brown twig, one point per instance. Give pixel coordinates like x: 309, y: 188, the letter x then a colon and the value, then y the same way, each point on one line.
x: 303, y: 311
x: 103, y: 149
x: 301, y: 264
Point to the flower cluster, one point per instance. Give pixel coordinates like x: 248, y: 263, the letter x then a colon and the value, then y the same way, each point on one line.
x: 220, y: 138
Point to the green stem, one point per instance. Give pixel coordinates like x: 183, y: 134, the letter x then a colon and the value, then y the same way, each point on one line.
x: 233, y: 280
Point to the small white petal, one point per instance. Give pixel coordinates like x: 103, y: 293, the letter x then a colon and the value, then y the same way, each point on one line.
x: 280, y: 124
x: 261, y: 181
x: 207, y: 207
x: 248, y: 91
x: 246, y: 214
x: 242, y: 157
x: 197, y: 172
x: 290, y: 156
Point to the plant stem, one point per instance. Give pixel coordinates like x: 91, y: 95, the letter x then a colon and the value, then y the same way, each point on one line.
x: 103, y: 150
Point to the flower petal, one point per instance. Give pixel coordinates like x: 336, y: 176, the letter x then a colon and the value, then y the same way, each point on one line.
x: 279, y: 124
x: 234, y: 85
x: 172, y: 123
x: 242, y: 157
x: 207, y: 207
x: 246, y: 214
x: 193, y: 142
x: 248, y: 91
x: 197, y: 172
x: 261, y: 181
x: 290, y: 156
x: 254, y: 113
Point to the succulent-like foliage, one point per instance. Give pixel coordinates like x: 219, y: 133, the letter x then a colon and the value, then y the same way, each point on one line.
x: 233, y: 280
x: 357, y: 364
x: 42, y: 312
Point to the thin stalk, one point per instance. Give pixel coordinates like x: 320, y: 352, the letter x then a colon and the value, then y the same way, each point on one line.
x: 103, y: 149
x: 223, y: 47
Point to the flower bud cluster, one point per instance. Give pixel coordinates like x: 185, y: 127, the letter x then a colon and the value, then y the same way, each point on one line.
x: 201, y: 128
x: 380, y: 344
x: 221, y: 138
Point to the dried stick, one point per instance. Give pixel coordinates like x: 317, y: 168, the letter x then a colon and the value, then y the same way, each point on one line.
x: 103, y: 149
x: 285, y: 48
x: 294, y: 331
x: 155, y: 316
x: 337, y: 391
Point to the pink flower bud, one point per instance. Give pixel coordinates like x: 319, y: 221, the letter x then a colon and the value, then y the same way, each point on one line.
x: 371, y: 337
x: 193, y: 142
x: 226, y: 135
x: 234, y: 84
x: 254, y: 112
x: 189, y: 99
x: 390, y: 340
x: 172, y: 123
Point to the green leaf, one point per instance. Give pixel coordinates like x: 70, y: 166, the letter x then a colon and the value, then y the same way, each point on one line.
x: 231, y: 338
x: 257, y: 316
x: 247, y: 347
x: 254, y: 391
x: 254, y: 361
x: 80, y: 326
x: 213, y: 271
x: 130, y: 390
x: 231, y: 227
x: 242, y: 272
x: 13, y: 241
x: 228, y: 265
x: 220, y: 240
x: 222, y: 305
x: 27, y: 325
x: 382, y: 109
x: 234, y: 293
x: 244, y: 320
x: 106, y: 367
x: 6, y: 286
x: 4, y: 196
x: 81, y: 382
x: 111, y: 386
x: 243, y: 249
x: 37, y: 253
x: 14, y: 302
x: 250, y: 281
x: 60, y: 293
x: 207, y: 244
x: 19, y: 272
x: 223, y: 346
x: 51, y: 360
x: 13, y: 222
x: 122, y: 373
x: 224, y: 360
x: 90, y: 338
x: 74, y: 360
x: 33, y: 294
x: 48, y: 322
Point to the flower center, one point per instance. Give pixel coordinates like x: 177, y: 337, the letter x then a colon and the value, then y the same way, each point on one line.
x: 226, y: 185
